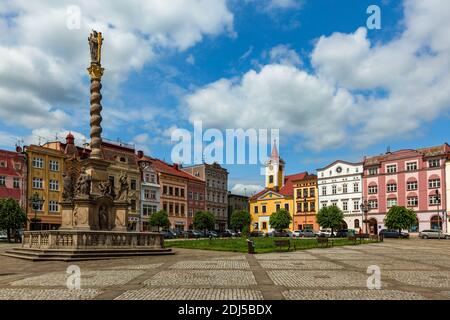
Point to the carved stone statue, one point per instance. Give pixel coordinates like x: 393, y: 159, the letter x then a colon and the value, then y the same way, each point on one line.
x: 103, y: 218
x: 123, y: 191
x: 95, y: 43
x: 106, y: 188
x: 67, y: 187
x: 83, y: 187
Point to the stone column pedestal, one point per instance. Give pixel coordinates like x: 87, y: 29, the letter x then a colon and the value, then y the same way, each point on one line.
x: 121, y: 210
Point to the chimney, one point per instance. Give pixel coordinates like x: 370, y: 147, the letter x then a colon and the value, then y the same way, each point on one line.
x: 175, y: 165
x: 18, y: 149
x: 140, y: 154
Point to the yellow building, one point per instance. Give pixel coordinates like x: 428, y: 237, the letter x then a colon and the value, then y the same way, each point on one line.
x: 306, y: 203
x: 45, y: 168
x: 278, y: 194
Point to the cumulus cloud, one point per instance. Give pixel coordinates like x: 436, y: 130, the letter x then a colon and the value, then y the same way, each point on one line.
x: 283, y: 54
x: 358, y: 92
x: 246, y: 189
x: 44, y: 62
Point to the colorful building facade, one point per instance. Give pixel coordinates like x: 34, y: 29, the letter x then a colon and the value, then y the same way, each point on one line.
x: 306, y: 203
x: 447, y: 184
x: 13, y: 176
x: 237, y: 202
x: 340, y: 184
x: 278, y: 194
x: 410, y: 178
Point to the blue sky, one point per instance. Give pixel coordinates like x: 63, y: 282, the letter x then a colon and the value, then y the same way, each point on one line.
x: 311, y: 69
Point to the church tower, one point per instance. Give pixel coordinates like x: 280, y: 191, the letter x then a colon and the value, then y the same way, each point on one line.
x: 275, y: 170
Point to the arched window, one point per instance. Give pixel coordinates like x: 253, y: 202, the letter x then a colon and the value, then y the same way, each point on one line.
x: 436, y: 223
x: 356, y: 223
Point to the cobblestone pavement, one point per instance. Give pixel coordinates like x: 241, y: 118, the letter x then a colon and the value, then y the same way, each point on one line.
x: 410, y: 269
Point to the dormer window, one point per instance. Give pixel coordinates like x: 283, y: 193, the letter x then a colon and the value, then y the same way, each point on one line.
x: 122, y: 159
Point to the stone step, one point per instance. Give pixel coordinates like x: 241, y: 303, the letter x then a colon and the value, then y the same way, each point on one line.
x: 79, y: 255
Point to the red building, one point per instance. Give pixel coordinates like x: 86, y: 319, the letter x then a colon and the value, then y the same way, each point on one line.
x: 13, y: 176
x: 409, y: 178
x: 196, y: 198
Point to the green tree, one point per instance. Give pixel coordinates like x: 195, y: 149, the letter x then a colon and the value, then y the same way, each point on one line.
x: 159, y: 219
x: 204, y: 220
x: 280, y: 220
x: 399, y: 218
x: 12, y: 216
x: 240, y: 220
x: 330, y: 217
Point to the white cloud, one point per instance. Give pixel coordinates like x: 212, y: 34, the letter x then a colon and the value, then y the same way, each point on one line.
x: 359, y: 92
x: 246, y: 189
x: 190, y: 59
x: 44, y: 62
x: 283, y: 54
x: 283, y: 4
x: 43, y: 135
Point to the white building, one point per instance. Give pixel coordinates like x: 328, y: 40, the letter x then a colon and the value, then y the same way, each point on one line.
x: 150, y: 193
x: 340, y: 184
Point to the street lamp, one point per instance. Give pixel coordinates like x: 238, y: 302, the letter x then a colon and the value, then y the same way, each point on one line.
x: 365, y: 209
x: 305, y: 207
x: 438, y: 215
x: 36, y: 203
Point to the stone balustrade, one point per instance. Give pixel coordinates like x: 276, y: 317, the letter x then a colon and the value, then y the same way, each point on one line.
x: 79, y: 239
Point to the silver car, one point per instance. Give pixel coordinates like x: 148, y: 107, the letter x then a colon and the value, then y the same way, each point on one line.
x: 433, y: 234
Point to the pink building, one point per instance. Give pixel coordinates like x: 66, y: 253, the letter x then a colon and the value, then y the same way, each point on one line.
x: 13, y: 176
x: 409, y: 178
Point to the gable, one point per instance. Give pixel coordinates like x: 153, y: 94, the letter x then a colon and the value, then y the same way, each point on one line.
x: 270, y: 195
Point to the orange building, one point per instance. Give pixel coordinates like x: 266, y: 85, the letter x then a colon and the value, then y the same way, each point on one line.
x: 306, y: 203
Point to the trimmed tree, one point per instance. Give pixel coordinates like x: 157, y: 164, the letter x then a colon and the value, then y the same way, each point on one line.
x: 204, y: 220
x: 280, y: 220
x: 12, y: 216
x: 240, y: 220
x: 399, y: 218
x: 330, y: 217
x: 159, y: 219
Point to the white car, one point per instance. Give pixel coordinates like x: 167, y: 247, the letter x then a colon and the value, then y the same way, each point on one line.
x: 297, y: 234
x: 3, y: 235
x: 325, y: 233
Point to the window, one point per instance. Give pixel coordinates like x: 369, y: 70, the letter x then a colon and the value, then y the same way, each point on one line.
x: 165, y: 206
x: 356, y: 223
x: 190, y: 195
x: 355, y: 205
x: 164, y: 189
x: 324, y: 191
x: 264, y: 209
x: 256, y: 209
x: 412, y: 185
x: 356, y: 187
x: 411, y: 166
x: 434, y: 163
x: 133, y: 205
x: 191, y: 213
x: 333, y: 190
x: 170, y: 208
x: 148, y: 209
x: 286, y: 206
x: 434, y: 183
x: 264, y: 225
x: 392, y: 187
x: 38, y: 163
x: 373, y: 204
x: 170, y: 191
x: 177, y: 192
x: 270, y: 179
x: 312, y: 192
x: 182, y: 210
x: 177, y: 209
x: 373, y: 171
x: 54, y: 185
x: 200, y: 196
x: 305, y: 193
x: 373, y: 189
x: 2, y: 181
x: 277, y: 207
x: 324, y: 204
x: 16, y: 183
x: 53, y: 206
x: 54, y: 165
x: 312, y: 206
x: 182, y: 193
x: 391, y: 203
x: 2, y: 164
x: 392, y: 168
x: 133, y: 184
x: 434, y: 200
x: 344, y: 188
x: 345, y: 205
x: 413, y: 201
x: 299, y: 193
x: 37, y: 183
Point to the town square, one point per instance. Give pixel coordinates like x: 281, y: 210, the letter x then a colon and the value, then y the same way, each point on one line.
x: 170, y: 151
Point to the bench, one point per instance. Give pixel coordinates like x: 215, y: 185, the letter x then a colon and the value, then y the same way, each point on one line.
x: 283, y: 243
x: 324, y: 242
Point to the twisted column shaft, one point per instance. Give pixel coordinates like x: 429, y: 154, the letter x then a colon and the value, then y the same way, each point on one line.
x: 96, y: 118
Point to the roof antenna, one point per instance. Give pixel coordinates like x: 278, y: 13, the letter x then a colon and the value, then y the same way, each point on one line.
x: 388, y: 149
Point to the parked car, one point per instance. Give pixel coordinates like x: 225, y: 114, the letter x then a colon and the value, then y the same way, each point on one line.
x: 233, y: 234
x: 297, y: 233
x: 433, y: 234
x: 196, y: 234
x: 212, y: 234
x: 225, y: 234
x: 279, y: 234
x: 3, y: 235
x: 309, y: 234
x: 325, y: 233
x: 256, y: 234
x: 387, y: 233
x: 342, y: 233
x: 169, y: 234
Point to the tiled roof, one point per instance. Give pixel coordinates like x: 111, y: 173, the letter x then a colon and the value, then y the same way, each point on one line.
x: 288, y: 188
x: 164, y: 167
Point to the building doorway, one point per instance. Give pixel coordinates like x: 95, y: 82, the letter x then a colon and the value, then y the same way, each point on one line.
x: 373, y: 226
x: 436, y: 223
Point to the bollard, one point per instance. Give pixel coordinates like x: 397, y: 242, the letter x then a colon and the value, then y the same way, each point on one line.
x: 251, y: 246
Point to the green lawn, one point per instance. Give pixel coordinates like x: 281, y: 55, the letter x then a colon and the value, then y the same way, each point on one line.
x: 262, y: 245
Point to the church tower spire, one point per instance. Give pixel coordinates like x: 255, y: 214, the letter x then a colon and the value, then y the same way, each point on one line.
x: 275, y: 170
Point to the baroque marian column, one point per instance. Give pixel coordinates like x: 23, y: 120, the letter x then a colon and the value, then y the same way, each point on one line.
x: 96, y: 72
